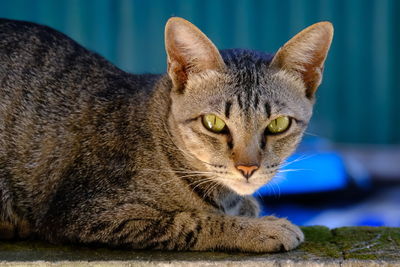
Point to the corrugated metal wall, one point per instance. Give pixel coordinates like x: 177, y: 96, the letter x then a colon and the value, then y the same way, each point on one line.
x: 359, y: 100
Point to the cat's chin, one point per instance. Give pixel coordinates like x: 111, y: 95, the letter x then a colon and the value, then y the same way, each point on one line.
x: 242, y: 187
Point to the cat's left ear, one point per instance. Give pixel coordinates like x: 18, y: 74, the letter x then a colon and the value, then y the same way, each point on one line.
x: 305, y: 55
x: 189, y: 51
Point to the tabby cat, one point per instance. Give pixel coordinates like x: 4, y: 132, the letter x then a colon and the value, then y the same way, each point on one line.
x: 91, y: 154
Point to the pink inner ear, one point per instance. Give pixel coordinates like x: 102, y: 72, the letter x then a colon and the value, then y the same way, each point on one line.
x: 312, y: 75
x: 305, y: 54
x: 189, y: 51
x: 178, y: 75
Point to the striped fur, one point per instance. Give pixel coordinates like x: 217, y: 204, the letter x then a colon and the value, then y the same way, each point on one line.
x: 91, y: 154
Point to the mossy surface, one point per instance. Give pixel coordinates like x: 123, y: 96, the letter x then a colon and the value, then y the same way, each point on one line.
x: 322, y: 244
x: 368, y: 242
x: 363, y: 243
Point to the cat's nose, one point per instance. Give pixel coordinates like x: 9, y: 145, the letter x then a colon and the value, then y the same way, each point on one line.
x: 247, y: 170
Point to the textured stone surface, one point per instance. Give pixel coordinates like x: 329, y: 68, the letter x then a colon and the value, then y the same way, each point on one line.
x: 348, y: 246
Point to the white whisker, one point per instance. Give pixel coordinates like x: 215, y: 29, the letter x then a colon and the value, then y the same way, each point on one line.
x: 312, y: 134
x: 292, y: 170
x: 211, y: 188
x: 303, y: 157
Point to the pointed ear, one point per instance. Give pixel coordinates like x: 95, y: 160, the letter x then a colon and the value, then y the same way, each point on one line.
x: 189, y: 51
x: 305, y: 54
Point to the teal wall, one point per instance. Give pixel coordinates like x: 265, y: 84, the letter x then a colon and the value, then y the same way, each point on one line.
x: 359, y: 101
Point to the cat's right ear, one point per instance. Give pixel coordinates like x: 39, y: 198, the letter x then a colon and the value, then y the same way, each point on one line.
x: 189, y: 52
x: 304, y: 55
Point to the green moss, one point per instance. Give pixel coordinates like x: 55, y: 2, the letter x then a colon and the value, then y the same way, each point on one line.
x: 317, y: 233
x: 363, y: 243
x: 368, y: 242
x: 318, y: 243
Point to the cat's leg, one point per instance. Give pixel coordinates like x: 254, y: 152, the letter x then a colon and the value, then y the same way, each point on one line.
x: 249, y: 207
x: 205, y: 232
x: 7, y: 230
x: 241, y: 206
x: 23, y: 229
x: 11, y: 225
x: 145, y: 228
x: 20, y: 230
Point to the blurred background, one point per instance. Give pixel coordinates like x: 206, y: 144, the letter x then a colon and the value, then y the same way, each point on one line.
x: 347, y: 170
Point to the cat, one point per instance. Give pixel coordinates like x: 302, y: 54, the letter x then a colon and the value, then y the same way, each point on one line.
x: 91, y: 154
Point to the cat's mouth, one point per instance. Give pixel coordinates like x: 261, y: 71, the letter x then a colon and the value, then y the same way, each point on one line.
x: 243, y: 186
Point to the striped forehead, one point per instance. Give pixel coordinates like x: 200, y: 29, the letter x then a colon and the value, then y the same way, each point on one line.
x: 253, y: 102
x: 247, y: 104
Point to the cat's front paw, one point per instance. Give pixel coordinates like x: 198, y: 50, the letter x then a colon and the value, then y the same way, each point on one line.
x: 271, y: 234
x: 281, y: 234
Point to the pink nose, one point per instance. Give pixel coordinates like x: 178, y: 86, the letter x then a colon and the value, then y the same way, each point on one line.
x: 247, y: 171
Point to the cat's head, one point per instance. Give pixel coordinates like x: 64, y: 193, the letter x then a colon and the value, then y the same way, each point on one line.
x: 240, y: 113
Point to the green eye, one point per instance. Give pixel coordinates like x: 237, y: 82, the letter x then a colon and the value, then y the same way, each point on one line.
x: 279, y: 125
x: 213, y: 123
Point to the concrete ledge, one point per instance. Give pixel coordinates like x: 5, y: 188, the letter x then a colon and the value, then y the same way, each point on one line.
x: 348, y: 246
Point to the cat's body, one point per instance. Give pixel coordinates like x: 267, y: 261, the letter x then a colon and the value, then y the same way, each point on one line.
x: 90, y: 154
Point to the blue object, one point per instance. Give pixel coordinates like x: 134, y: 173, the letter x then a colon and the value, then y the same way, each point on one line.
x: 371, y: 220
x: 320, y: 172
